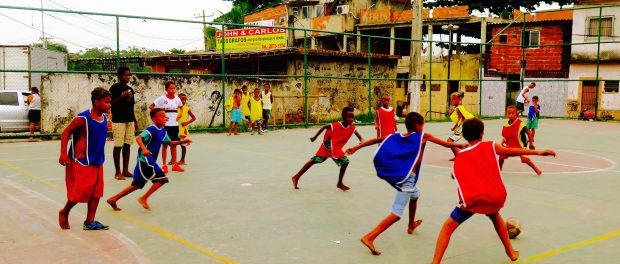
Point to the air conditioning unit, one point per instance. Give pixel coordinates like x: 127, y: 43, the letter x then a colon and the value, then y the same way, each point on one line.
x: 342, y: 9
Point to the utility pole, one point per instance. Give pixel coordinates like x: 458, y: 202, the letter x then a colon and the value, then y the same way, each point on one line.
x: 415, y: 57
x: 43, y: 39
x: 204, y: 28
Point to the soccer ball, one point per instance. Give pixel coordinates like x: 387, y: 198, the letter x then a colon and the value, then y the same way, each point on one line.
x: 513, y: 226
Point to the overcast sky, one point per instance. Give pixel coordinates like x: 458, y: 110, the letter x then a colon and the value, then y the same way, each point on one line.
x: 79, y: 32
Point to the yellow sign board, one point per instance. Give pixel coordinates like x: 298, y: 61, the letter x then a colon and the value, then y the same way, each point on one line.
x: 252, y: 39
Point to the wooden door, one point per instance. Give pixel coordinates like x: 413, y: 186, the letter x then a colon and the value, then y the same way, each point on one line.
x: 588, y: 95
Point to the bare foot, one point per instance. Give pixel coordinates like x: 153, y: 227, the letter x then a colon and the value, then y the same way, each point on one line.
x: 119, y: 177
x: 343, y: 187
x: 228, y: 134
x: 113, y: 204
x: 452, y: 159
x: 295, y: 180
x: 538, y: 172
x: 63, y: 220
x: 127, y: 174
x: 514, y: 255
x: 413, y: 227
x: 144, y: 204
x: 370, y: 246
x: 236, y: 134
x: 532, y: 146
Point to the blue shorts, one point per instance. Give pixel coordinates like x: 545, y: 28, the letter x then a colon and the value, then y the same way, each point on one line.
x: 235, y: 116
x: 146, y: 172
x: 409, y: 192
x: 461, y: 215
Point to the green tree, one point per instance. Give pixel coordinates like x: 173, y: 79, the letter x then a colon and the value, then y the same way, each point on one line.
x: 177, y: 51
x: 52, y: 45
x: 501, y: 8
x: 243, y: 7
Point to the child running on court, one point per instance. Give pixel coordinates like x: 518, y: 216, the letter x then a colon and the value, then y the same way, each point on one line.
x: 84, y: 160
x: 256, y: 112
x: 385, y: 119
x: 336, y: 136
x: 235, y: 114
x: 185, y: 117
x: 458, y: 115
x: 532, y: 120
x: 150, y: 141
x: 171, y: 103
x: 480, y: 186
x: 398, y: 161
x: 515, y: 135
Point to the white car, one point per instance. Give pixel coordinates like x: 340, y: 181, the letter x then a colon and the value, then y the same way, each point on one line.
x: 13, y: 111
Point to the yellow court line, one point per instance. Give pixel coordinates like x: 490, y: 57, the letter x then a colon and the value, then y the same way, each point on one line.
x: 573, y: 246
x: 154, y: 229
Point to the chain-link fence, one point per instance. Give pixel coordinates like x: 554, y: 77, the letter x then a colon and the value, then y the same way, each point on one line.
x: 329, y: 62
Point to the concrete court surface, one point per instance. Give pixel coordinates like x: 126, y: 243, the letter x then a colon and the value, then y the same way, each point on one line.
x: 235, y: 204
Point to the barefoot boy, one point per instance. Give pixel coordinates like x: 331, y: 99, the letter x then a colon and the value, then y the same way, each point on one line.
x: 515, y: 135
x: 398, y: 162
x: 84, y: 160
x: 336, y: 136
x: 171, y: 103
x: 150, y: 141
x: 385, y: 119
x: 185, y: 116
x: 480, y: 186
x: 532, y: 120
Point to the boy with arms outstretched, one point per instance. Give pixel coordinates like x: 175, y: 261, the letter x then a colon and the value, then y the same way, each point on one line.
x: 480, y: 186
x: 515, y: 135
x: 336, y: 136
x: 84, y: 159
x: 150, y: 142
x: 398, y: 161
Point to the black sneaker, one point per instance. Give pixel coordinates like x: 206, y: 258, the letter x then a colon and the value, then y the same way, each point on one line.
x: 95, y: 225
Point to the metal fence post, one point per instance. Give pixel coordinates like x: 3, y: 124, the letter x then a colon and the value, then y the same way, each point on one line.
x: 223, y: 77
x: 118, y: 44
x: 430, y: 79
x: 369, y: 77
x: 306, y: 77
x: 598, y: 60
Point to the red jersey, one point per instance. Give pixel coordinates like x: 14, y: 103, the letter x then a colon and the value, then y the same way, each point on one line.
x: 387, y: 122
x: 334, y: 140
x: 515, y: 134
x: 478, y: 179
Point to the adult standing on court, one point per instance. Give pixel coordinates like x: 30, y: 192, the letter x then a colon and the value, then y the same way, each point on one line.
x: 522, y: 98
x: 123, y: 121
x: 267, y: 98
x: 34, y: 110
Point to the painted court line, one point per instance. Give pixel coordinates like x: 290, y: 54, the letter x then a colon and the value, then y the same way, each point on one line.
x: 573, y: 246
x: 156, y: 230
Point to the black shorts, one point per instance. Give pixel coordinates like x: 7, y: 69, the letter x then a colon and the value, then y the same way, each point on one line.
x: 173, y: 132
x: 34, y: 116
x: 146, y: 173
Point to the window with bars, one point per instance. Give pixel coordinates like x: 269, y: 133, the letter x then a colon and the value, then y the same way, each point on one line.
x: 607, y: 27
x: 531, y: 38
x: 612, y: 86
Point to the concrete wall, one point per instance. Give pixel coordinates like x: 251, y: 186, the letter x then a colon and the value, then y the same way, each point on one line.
x: 493, y: 97
x: 553, y: 95
x: 65, y: 95
x: 463, y: 67
x: 609, y: 51
x: 609, y: 102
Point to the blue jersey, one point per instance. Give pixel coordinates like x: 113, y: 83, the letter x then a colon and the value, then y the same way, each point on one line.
x: 396, y: 157
x: 152, y: 137
x: 96, y: 133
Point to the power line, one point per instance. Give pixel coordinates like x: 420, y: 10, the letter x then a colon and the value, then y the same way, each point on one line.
x: 127, y: 31
x: 37, y: 29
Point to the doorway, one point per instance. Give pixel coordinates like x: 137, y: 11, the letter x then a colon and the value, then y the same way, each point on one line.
x: 588, y: 95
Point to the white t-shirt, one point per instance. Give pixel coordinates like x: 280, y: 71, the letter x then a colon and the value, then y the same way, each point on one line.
x: 170, y: 106
x: 35, y: 104
x: 521, y: 98
x: 266, y: 100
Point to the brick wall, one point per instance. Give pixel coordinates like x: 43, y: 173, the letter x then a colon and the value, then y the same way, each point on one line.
x: 507, y: 59
x: 267, y: 14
